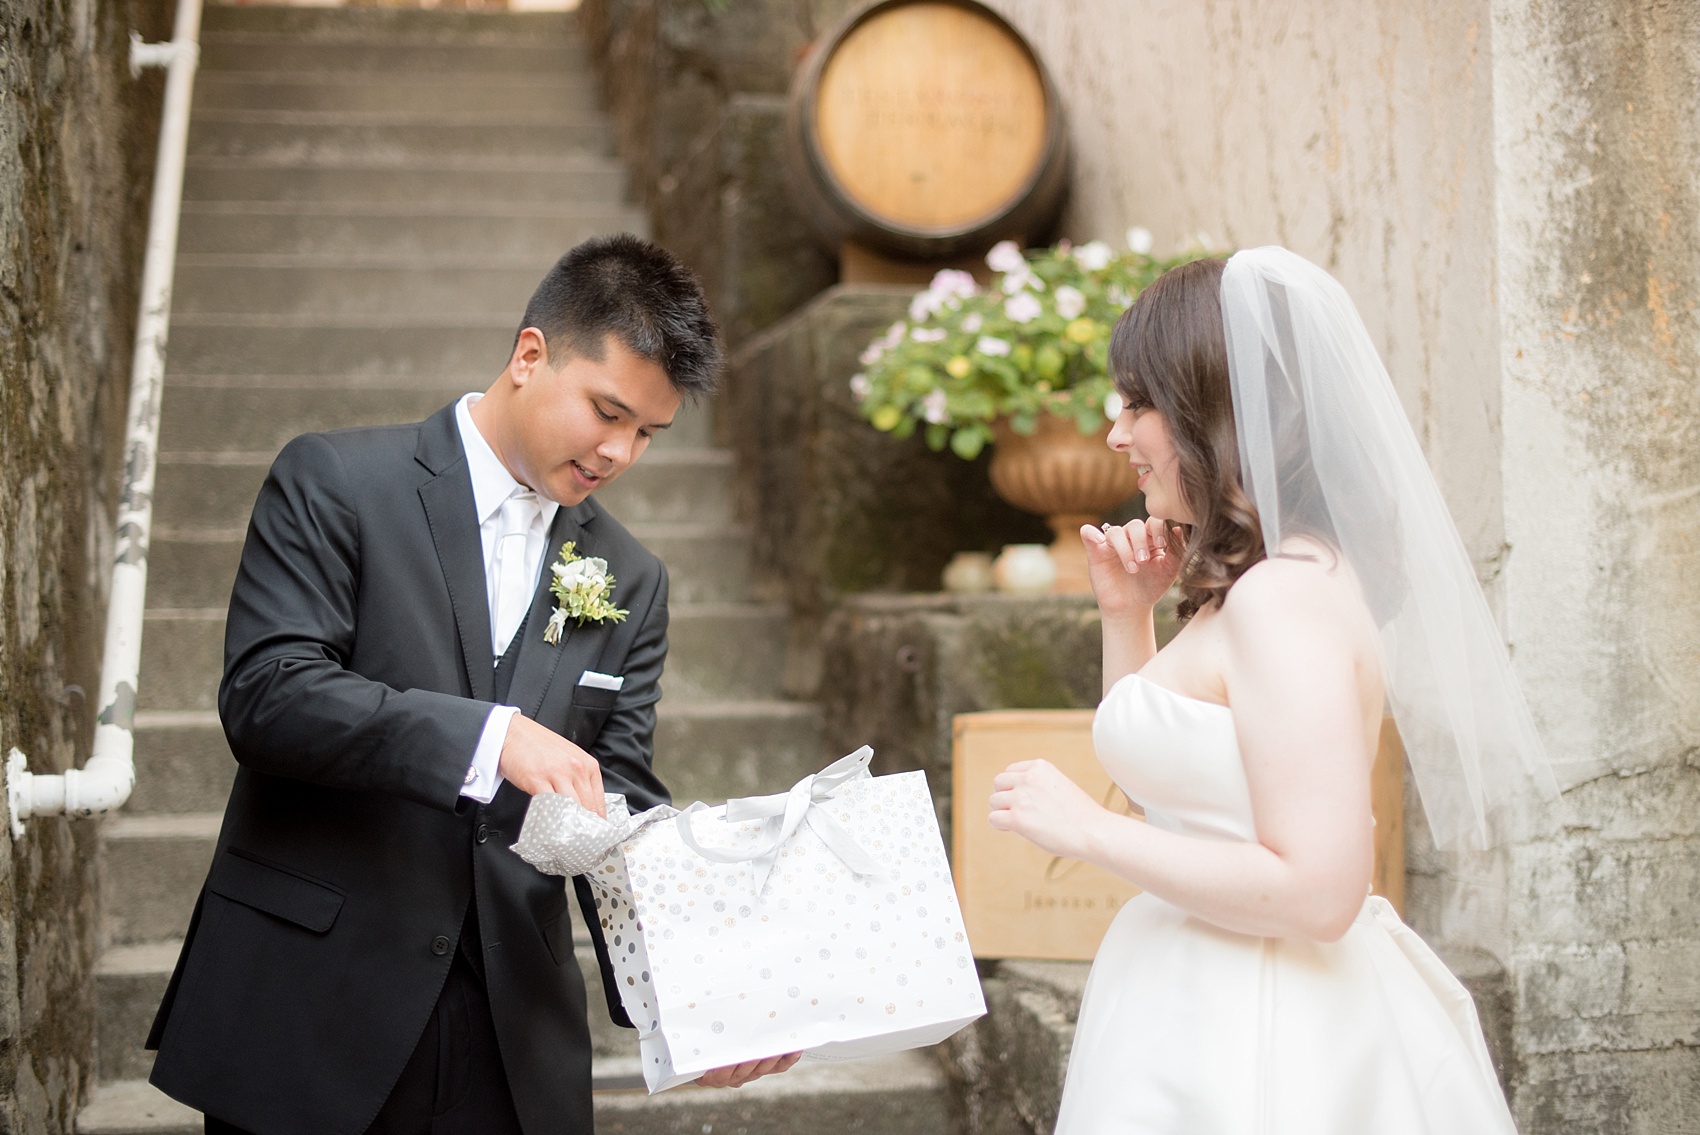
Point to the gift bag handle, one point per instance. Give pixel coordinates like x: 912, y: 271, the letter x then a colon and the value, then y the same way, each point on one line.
x: 791, y: 809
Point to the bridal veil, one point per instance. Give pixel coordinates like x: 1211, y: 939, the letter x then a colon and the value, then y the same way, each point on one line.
x: 1326, y: 451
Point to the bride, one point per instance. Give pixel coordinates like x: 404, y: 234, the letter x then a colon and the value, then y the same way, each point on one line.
x: 1251, y: 987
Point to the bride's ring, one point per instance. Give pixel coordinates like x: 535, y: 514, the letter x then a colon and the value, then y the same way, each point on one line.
x: 1107, y: 526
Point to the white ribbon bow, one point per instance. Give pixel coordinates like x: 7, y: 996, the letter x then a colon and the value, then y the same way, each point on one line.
x: 785, y: 812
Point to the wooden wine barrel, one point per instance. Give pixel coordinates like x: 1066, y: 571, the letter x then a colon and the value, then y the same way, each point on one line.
x: 926, y: 128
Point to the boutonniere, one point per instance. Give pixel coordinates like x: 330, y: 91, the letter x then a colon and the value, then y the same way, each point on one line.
x: 583, y: 590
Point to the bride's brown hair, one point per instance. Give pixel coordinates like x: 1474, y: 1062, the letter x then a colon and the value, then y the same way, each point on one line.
x: 1168, y: 352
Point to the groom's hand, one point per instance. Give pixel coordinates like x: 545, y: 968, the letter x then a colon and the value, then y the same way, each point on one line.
x: 737, y: 1075
x: 537, y: 759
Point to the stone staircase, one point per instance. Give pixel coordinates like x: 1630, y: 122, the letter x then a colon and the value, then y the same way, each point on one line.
x: 371, y: 196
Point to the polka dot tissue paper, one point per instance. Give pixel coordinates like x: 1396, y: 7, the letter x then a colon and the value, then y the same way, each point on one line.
x: 822, y: 920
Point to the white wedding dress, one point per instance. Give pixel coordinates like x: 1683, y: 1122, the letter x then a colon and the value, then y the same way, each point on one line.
x: 1188, y: 1029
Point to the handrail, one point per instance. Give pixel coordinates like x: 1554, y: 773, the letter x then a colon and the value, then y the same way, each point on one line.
x: 105, y: 782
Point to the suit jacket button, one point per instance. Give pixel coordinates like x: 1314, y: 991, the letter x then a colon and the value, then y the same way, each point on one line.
x: 440, y: 945
x: 483, y: 832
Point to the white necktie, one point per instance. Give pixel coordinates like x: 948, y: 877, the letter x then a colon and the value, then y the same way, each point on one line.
x: 513, y: 581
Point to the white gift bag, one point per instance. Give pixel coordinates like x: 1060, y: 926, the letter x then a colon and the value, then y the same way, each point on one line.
x: 822, y: 920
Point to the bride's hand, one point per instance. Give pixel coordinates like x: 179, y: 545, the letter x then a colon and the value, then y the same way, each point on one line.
x: 1131, y: 564
x: 1036, y: 801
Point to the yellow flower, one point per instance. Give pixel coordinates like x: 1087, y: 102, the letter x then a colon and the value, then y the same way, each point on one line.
x: 1081, y: 330
x: 958, y: 367
x: 886, y: 418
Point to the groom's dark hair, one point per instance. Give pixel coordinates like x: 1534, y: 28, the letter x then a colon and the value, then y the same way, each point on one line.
x: 638, y: 292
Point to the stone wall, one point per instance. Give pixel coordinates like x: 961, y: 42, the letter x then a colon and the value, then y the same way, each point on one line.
x: 697, y: 93
x: 76, y: 153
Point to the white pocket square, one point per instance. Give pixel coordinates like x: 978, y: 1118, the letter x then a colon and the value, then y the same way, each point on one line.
x: 601, y: 681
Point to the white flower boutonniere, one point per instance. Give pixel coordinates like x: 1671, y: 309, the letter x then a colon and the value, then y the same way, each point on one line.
x: 583, y: 590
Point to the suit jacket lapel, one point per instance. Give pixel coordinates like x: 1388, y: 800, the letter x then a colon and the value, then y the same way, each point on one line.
x: 538, y: 660
x: 452, y: 515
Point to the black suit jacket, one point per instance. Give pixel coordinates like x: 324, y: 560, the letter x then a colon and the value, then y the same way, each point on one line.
x: 358, y: 676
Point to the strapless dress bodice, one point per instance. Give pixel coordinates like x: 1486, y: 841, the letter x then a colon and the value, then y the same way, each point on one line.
x: 1176, y: 757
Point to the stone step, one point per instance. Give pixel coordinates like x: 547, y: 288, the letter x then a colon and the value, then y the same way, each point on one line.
x: 135, y: 1107
x: 703, y: 751
x: 673, y: 486
x: 130, y: 982
x: 341, y: 56
x: 256, y: 420
x: 716, y: 651
x: 437, y: 95
x: 214, y: 491
x: 182, y: 659
x: 387, y: 24
x: 714, y: 751
x: 252, y: 416
x: 706, y: 563
x: 183, y: 763
x: 152, y: 869
x: 430, y: 353
x: 1012, y: 1061
x: 907, y: 1093
x: 725, y: 652
x: 299, y: 137
x: 482, y: 184
x: 339, y: 292
x: 443, y: 93
x: 531, y: 237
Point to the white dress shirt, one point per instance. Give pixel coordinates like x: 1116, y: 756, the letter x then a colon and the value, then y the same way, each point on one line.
x: 491, y: 485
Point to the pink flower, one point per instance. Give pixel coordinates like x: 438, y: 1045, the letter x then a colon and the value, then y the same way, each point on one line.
x: 1022, y: 307
x: 971, y: 323
x: 1005, y: 256
x: 934, y: 407
x: 996, y: 348
x: 1094, y: 257
x: 953, y: 282
x: 1070, y: 302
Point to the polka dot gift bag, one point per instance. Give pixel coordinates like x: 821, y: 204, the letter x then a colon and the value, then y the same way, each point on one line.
x: 822, y: 920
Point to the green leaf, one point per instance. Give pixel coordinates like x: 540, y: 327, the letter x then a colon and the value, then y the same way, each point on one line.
x: 1048, y: 361
x: 967, y: 442
x: 937, y: 435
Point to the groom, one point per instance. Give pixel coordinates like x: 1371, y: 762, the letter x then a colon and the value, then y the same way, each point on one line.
x: 367, y: 955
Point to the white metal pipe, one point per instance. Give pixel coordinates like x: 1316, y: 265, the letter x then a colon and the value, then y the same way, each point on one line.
x: 105, y: 782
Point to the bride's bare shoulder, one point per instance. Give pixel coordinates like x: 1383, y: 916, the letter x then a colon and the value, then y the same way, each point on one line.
x: 1308, y: 582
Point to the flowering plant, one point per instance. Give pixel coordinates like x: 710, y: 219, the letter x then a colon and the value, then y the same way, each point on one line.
x: 1036, y: 340
x: 583, y: 590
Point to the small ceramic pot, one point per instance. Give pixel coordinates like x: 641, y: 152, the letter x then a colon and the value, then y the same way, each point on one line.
x: 969, y: 573
x: 1026, y: 568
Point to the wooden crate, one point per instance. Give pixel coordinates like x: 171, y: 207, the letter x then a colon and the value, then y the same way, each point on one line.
x: 1021, y: 902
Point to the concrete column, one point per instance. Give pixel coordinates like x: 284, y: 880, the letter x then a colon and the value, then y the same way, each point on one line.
x: 1597, y: 168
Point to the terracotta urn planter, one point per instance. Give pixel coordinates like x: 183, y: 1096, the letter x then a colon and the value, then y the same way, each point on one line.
x: 1069, y: 478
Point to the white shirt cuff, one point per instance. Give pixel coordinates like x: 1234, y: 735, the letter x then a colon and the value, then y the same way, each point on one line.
x: 482, y: 779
